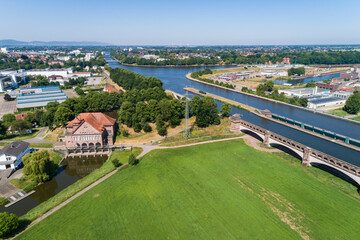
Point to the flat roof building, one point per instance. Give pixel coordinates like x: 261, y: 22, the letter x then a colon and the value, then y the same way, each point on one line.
x: 325, y: 102
x: 64, y: 72
x: 39, y: 96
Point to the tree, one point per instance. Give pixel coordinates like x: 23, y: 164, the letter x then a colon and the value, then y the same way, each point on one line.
x: 207, y: 113
x: 260, y: 89
x: 79, y: 91
x: 20, y: 126
x: 38, y: 166
x: 146, y: 127
x: 132, y: 159
x: 53, y: 104
x: 195, y: 104
x: 303, y: 102
x: 8, y: 223
x: 8, y: 118
x: 269, y: 85
x: 352, y: 104
x: 225, y: 110
x: 165, y: 109
x: 62, y: 116
x: 296, y: 71
x: 161, y: 127
x: 310, y: 84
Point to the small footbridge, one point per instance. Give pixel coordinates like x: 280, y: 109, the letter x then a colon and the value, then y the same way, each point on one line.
x: 309, y: 156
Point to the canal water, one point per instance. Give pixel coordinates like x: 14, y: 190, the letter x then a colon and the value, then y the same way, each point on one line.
x: 174, y: 79
x: 72, y: 169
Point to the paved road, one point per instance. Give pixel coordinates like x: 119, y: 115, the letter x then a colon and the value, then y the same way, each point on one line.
x: 39, y: 137
x: 7, y: 107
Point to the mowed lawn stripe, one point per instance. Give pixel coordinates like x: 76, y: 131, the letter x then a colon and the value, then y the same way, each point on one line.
x: 224, y: 190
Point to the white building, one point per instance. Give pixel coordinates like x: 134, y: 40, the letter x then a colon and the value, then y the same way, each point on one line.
x: 325, y: 102
x: 75, y: 52
x: 303, y: 92
x: 3, y: 50
x: 11, y: 155
x: 150, y: 56
x: 89, y: 56
x: 342, y: 94
x: 63, y: 58
x: 64, y: 72
x: 81, y: 74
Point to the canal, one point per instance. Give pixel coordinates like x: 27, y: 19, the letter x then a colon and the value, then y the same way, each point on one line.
x: 174, y: 79
x: 72, y: 169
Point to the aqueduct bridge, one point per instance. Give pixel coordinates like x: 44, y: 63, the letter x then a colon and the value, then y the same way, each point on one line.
x: 308, y: 155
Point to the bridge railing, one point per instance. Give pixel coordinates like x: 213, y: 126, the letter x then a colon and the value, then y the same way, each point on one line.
x: 348, y: 167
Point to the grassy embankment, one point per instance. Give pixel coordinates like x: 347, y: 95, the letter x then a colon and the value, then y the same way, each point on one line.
x: 224, y: 190
x: 52, y: 136
x: 142, y: 137
x: 356, y: 118
x: 198, y: 134
x: 338, y: 112
x: 28, y: 184
x: 68, y: 192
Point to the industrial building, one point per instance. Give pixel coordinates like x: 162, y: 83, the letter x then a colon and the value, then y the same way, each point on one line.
x: 320, y: 102
x: 39, y: 96
x: 64, y: 72
x: 303, y: 92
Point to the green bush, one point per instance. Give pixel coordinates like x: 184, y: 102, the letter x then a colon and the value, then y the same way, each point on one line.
x: 116, y: 162
x: 133, y: 160
x: 8, y: 223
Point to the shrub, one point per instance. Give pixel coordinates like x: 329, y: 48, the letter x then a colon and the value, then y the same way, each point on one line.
x: 8, y: 223
x: 125, y: 133
x: 147, y: 128
x: 116, y: 162
x: 132, y: 160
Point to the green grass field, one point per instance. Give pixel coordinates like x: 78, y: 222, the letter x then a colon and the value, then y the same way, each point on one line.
x: 224, y: 190
x: 338, y: 112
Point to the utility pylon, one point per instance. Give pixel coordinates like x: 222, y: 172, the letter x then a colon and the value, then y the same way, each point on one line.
x: 186, y: 129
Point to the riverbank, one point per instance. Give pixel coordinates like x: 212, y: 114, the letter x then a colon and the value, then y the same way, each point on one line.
x: 188, y: 76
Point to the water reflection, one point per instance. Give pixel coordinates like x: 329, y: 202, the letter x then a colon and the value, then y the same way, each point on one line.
x: 72, y: 169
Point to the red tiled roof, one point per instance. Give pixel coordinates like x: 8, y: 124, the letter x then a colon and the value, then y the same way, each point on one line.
x: 97, y: 120
x: 21, y: 116
x: 110, y: 88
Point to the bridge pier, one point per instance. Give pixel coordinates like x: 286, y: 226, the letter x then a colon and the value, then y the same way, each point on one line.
x: 235, y: 123
x: 266, y: 142
x: 306, y: 157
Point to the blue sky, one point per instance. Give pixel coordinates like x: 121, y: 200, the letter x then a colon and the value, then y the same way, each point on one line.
x: 158, y: 22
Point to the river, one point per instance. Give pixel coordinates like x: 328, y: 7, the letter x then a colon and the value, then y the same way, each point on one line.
x: 72, y: 169
x: 174, y: 79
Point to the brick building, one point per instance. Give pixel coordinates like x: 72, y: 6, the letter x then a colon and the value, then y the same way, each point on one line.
x: 89, y: 130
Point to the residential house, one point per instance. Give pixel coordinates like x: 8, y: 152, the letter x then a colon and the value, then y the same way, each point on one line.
x: 11, y: 155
